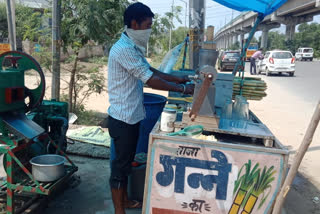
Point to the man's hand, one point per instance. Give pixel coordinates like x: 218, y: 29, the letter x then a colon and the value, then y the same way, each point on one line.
x: 189, y: 89
x: 183, y: 79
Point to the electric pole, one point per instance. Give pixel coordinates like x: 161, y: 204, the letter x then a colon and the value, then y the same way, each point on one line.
x: 170, y: 36
x: 196, y: 25
x: 56, y: 43
x: 11, y: 23
x: 232, y: 16
x: 185, y: 16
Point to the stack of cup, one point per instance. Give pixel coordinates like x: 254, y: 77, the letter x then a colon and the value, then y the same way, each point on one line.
x: 226, y: 115
x: 235, y: 115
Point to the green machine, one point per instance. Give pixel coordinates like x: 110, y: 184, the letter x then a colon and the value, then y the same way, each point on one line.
x: 29, y: 127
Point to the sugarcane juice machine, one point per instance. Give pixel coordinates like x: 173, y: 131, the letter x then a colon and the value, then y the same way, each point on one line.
x: 212, y: 89
x: 29, y: 127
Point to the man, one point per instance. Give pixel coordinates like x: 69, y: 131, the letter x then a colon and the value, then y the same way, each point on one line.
x: 254, y: 57
x: 128, y: 70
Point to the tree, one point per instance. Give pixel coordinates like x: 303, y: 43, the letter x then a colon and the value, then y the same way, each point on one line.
x: 276, y: 41
x: 235, y: 46
x: 29, y: 23
x: 3, y: 21
x: 308, y: 35
x: 254, y: 40
x: 159, y: 39
x: 85, y: 20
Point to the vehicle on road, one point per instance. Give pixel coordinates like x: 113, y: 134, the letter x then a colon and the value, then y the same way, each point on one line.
x: 304, y: 54
x: 277, y: 61
x: 228, y: 60
x: 252, y: 48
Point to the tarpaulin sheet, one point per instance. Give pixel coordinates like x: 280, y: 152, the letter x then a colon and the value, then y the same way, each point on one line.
x: 170, y: 59
x: 264, y: 7
x: 92, y: 134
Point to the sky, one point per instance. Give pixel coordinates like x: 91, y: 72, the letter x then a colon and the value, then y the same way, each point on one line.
x: 216, y: 14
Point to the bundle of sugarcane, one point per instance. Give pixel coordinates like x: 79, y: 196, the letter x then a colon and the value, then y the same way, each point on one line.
x: 253, y: 88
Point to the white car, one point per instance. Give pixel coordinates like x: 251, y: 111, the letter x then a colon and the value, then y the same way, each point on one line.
x: 304, y: 54
x: 277, y: 61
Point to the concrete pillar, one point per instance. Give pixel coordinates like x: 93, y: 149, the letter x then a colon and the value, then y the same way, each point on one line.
x: 264, y: 38
x: 235, y: 38
x: 196, y: 25
x: 290, y: 30
x: 227, y: 41
x: 241, y: 40
x: 230, y: 40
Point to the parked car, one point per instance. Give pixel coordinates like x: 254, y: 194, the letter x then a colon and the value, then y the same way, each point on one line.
x: 277, y: 61
x: 304, y: 54
x: 228, y: 60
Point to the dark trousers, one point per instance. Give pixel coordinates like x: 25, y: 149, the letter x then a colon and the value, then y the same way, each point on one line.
x: 125, y: 138
x: 253, y: 65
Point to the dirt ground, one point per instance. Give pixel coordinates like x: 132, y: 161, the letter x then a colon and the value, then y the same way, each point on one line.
x: 286, y: 115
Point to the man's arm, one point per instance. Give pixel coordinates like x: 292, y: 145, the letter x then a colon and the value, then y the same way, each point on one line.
x: 159, y: 83
x: 169, y: 77
x: 260, y: 55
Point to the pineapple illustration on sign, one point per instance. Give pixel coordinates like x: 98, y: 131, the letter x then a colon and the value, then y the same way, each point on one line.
x: 251, y: 184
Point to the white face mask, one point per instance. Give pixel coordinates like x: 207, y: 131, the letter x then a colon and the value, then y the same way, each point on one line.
x: 139, y: 37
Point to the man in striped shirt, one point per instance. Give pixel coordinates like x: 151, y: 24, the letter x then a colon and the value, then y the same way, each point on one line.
x: 128, y: 71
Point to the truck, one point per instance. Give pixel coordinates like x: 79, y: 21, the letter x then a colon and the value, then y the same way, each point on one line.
x: 252, y: 48
x: 4, y: 47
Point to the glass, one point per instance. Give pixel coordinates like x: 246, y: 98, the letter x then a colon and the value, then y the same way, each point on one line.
x: 240, y: 115
x: 226, y: 114
x: 282, y: 55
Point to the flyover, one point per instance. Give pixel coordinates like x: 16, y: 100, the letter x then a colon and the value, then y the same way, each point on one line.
x: 292, y: 13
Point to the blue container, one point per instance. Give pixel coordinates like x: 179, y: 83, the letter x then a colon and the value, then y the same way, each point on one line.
x: 154, y: 105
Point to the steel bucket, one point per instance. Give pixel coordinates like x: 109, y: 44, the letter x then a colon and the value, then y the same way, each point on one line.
x: 48, y: 168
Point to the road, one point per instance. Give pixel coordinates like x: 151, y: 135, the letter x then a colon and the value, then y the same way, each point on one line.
x: 289, y: 106
x: 287, y: 111
x: 305, y: 83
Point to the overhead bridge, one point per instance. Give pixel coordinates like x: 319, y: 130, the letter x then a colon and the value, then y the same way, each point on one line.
x: 292, y: 13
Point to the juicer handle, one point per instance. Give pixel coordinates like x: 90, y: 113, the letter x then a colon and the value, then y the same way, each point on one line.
x: 201, y: 96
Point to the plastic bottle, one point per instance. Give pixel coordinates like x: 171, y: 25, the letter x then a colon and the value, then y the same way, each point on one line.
x: 168, y: 117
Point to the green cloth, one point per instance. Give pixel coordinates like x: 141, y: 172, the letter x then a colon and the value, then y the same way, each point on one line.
x: 93, y: 135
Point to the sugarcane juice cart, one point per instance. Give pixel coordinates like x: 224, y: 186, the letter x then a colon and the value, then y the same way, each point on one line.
x: 32, y: 135
x: 219, y: 161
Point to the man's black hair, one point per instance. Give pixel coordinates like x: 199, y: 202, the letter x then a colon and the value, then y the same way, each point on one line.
x: 137, y: 11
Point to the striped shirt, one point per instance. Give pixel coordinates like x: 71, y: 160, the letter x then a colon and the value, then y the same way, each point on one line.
x: 127, y: 71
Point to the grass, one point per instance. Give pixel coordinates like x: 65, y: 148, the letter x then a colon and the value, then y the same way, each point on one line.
x: 98, y: 60
x: 88, y: 118
x: 85, y: 117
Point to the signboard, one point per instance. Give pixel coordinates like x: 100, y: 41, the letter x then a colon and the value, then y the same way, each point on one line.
x: 188, y: 178
x: 4, y: 47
